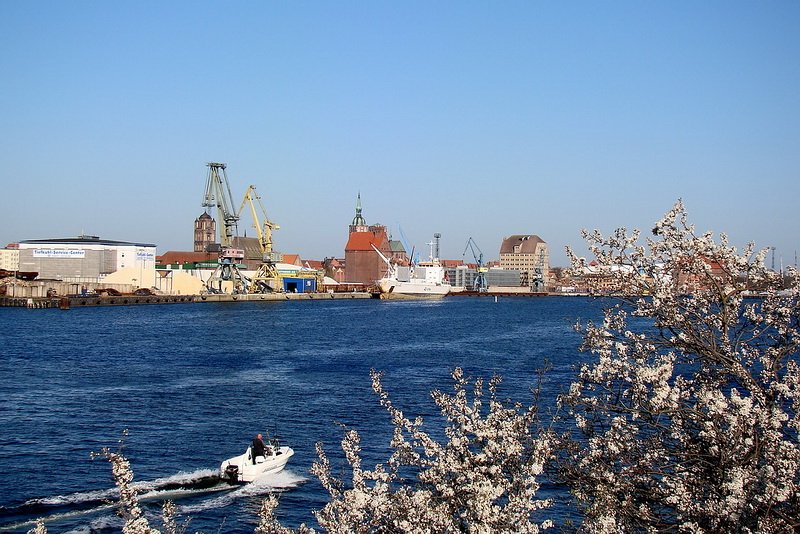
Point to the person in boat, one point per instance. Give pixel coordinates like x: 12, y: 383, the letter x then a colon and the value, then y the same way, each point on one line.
x: 259, y: 448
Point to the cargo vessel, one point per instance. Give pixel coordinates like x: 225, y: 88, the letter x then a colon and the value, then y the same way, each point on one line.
x: 425, y: 279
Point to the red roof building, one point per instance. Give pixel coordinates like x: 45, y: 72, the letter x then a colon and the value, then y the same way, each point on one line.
x: 292, y: 259
x: 452, y: 264
x: 313, y: 264
x: 362, y: 264
x: 334, y: 268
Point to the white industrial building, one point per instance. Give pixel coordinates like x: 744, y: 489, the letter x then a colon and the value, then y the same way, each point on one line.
x: 9, y: 259
x: 88, y: 259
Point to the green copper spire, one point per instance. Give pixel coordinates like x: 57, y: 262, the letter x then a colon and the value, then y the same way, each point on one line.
x: 358, y: 220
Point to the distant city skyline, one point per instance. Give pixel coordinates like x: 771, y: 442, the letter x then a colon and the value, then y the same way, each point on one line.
x: 465, y: 119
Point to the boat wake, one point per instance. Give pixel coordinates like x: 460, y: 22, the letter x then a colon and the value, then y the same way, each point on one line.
x: 178, y: 487
x: 269, y: 483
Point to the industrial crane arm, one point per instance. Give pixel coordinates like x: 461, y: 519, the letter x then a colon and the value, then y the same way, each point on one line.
x: 471, y: 245
x: 480, y: 284
x: 264, y: 231
x: 218, y: 193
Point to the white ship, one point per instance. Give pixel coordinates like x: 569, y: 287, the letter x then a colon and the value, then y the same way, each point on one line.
x: 426, y: 279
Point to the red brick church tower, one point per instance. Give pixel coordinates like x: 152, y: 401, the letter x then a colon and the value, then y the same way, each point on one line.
x: 205, y: 232
x: 362, y: 264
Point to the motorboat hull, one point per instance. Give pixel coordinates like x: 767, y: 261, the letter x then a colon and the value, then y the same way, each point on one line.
x: 242, y: 470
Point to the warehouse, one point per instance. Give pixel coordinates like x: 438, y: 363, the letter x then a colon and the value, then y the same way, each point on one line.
x: 86, y: 259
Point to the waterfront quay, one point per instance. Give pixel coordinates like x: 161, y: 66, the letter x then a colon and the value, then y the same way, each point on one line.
x: 68, y: 302
x: 499, y: 294
x: 79, y: 301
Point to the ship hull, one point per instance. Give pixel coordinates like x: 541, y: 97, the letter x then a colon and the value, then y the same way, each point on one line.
x: 394, y: 289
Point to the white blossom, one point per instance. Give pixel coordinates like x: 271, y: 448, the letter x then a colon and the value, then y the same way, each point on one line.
x: 484, y: 478
x: 688, y: 420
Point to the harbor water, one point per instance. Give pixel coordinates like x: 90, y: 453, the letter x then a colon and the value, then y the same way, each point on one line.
x: 193, y: 383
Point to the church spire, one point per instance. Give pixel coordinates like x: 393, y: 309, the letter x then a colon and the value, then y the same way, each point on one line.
x: 358, y: 224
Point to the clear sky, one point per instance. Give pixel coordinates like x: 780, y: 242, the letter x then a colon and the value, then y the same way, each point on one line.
x: 467, y: 118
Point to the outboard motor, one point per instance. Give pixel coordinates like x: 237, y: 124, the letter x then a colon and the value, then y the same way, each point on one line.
x: 232, y: 474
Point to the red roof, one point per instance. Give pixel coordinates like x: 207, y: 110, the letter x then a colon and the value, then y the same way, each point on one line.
x: 526, y: 243
x: 313, y: 264
x: 363, y: 241
x: 292, y: 259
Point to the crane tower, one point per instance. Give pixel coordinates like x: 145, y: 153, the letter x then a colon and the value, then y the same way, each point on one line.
x: 480, y: 285
x: 266, y: 278
x: 538, y: 280
x: 218, y: 194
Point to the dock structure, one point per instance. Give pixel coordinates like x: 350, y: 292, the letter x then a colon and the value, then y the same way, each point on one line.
x: 256, y: 297
x: 31, y: 302
x: 69, y: 302
x: 499, y: 294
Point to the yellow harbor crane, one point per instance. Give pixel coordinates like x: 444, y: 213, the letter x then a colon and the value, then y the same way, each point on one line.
x: 266, y: 279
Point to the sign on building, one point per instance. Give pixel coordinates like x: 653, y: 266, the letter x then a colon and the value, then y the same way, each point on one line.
x: 59, y: 253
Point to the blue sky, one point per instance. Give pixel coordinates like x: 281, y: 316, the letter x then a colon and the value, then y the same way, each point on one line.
x: 480, y: 119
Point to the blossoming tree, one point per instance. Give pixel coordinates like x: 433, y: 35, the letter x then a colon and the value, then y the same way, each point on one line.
x: 689, y: 415
x: 482, y: 478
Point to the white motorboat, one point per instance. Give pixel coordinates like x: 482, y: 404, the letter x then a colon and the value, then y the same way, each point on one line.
x: 425, y: 279
x: 243, y: 469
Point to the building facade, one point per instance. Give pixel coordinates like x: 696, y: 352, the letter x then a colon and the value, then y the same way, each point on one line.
x: 528, y: 254
x: 205, y: 232
x: 398, y: 252
x: 87, y: 259
x: 362, y: 264
x: 9, y: 258
x: 463, y: 277
x: 334, y: 268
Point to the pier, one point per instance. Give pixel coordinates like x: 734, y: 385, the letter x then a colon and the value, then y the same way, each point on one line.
x: 73, y: 301
x: 80, y: 301
x: 499, y: 294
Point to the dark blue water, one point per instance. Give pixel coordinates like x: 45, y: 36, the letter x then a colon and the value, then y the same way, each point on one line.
x: 193, y: 383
